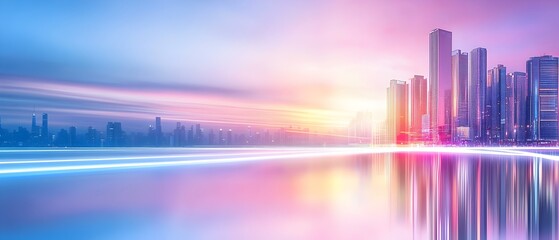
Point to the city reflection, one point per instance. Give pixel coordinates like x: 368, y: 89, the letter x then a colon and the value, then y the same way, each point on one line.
x: 381, y: 196
x: 475, y: 197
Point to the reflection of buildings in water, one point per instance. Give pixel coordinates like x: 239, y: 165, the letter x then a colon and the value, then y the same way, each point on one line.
x: 473, y: 197
x: 363, y: 164
x: 400, y: 185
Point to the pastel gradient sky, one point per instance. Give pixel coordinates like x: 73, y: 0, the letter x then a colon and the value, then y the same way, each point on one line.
x: 272, y: 63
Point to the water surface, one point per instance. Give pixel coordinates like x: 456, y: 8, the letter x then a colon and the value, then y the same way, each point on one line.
x: 277, y: 194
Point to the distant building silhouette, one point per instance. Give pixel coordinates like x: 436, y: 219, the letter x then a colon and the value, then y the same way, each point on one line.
x: 158, y: 132
x: 114, y: 135
x: 45, y: 136
x: 73, y: 139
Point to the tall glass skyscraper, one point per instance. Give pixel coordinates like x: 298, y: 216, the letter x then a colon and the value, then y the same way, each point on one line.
x: 495, y: 104
x: 509, y: 110
x: 476, y: 97
x: 520, y: 101
x: 542, y: 96
x: 440, y: 85
x: 397, y: 112
x: 418, y: 103
x: 459, y: 96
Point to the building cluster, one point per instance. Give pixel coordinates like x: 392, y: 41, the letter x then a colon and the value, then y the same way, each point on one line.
x: 360, y: 129
x: 181, y: 136
x: 466, y: 103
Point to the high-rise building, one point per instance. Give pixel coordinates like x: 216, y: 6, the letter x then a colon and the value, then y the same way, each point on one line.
x: 62, y: 138
x: 45, y: 130
x: 92, y: 137
x: 179, y: 136
x: 418, y: 104
x: 221, y: 140
x: 190, y: 136
x: 542, y: 97
x: 440, y: 84
x: 158, y: 132
x: 211, y: 137
x: 230, y: 137
x: 72, y: 137
x: 36, y: 138
x: 495, y: 104
x: 199, y: 134
x: 477, y: 79
x: 519, y: 82
x: 34, y: 127
x: 459, y: 123
x: 397, y: 112
x: 114, y: 136
x: 509, y: 112
x: 360, y: 128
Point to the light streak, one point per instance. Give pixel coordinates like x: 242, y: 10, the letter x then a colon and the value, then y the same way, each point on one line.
x: 250, y: 155
x: 171, y: 163
x: 131, y: 158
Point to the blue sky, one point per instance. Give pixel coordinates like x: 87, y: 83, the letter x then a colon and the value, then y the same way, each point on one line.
x: 305, y: 63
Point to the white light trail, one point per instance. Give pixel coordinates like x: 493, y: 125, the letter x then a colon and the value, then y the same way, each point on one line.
x: 25, y: 161
x: 251, y: 155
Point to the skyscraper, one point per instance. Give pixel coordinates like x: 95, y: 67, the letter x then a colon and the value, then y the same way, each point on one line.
x: 495, y: 104
x: 198, y: 135
x: 520, y: 102
x: 440, y: 84
x: 542, y: 97
x: 509, y: 113
x: 459, y: 96
x: 92, y: 137
x: 72, y: 136
x: 418, y: 97
x: 397, y: 112
x: 476, y: 97
x: 45, y: 129
x: 211, y: 137
x: 158, y: 132
x: 114, y: 135
x: 179, y: 136
x: 34, y: 127
x: 36, y: 138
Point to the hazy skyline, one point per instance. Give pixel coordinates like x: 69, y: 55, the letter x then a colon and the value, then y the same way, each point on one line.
x: 307, y: 63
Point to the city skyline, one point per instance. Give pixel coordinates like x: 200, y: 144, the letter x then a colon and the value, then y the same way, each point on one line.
x: 114, y: 134
x: 470, y: 105
x: 306, y: 71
